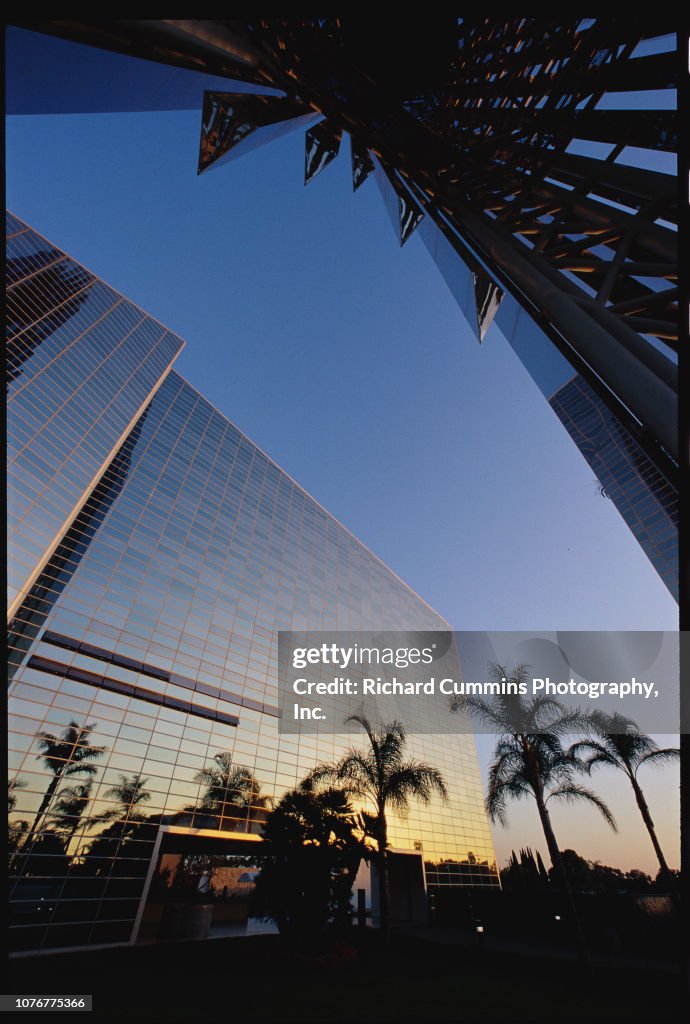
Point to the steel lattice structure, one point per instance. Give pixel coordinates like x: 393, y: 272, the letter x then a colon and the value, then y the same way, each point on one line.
x: 535, y: 149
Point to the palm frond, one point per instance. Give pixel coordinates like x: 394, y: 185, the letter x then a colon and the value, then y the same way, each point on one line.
x: 499, y: 790
x: 571, y: 792
x: 611, y: 724
x: 485, y: 711
x: 413, y: 780
x: 662, y: 755
x: 587, y: 754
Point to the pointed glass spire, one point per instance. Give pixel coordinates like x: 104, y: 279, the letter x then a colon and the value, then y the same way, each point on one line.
x: 230, y: 119
x: 405, y: 215
x: 362, y: 165
x: 322, y: 144
x: 488, y: 297
x: 476, y: 294
x: 410, y: 215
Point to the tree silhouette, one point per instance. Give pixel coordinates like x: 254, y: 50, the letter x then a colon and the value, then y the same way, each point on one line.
x: 68, y: 808
x: 230, y: 791
x: 129, y: 793
x: 17, y: 830
x: 526, y: 873
x: 12, y: 786
x: 64, y: 756
x: 313, y: 844
x: 127, y: 828
x: 381, y: 775
x: 621, y: 745
x: 529, y: 761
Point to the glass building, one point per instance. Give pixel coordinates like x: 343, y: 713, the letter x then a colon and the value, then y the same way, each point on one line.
x: 644, y: 497
x: 155, y: 552
x: 641, y: 488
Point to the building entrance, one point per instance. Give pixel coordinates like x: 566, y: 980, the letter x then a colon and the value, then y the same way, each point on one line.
x: 200, y: 885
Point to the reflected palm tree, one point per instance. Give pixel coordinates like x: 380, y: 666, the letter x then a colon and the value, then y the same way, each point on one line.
x: 230, y: 792
x: 68, y: 808
x: 121, y: 848
x: 16, y: 830
x: 126, y: 826
x: 12, y: 786
x: 64, y: 756
x: 129, y: 793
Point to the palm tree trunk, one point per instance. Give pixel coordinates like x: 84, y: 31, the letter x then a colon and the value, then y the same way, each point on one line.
x: 649, y: 824
x: 559, y: 869
x: 45, y: 804
x: 384, y: 895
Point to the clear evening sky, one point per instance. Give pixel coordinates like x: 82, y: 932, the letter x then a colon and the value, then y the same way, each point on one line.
x: 347, y: 360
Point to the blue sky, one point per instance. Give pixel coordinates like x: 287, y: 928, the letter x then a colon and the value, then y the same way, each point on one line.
x: 348, y: 361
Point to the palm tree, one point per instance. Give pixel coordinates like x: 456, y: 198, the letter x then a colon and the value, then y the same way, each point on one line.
x: 129, y: 793
x: 127, y: 822
x: 382, y: 776
x: 16, y: 829
x: 12, y: 786
x: 128, y: 828
x: 65, y: 756
x: 230, y: 789
x: 623, y: 746
x: 529, y: 761
x: 69, y: 806
x: 313, y: 845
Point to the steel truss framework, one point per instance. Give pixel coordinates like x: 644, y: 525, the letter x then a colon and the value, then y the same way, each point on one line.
x: 520, y: 138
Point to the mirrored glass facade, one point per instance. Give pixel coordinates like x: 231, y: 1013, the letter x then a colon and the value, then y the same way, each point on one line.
x: 83, y: 364
x: 646, y: 499
x: 143, y: 703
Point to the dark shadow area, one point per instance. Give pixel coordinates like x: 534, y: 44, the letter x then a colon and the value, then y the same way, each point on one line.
x: 265, y: 979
